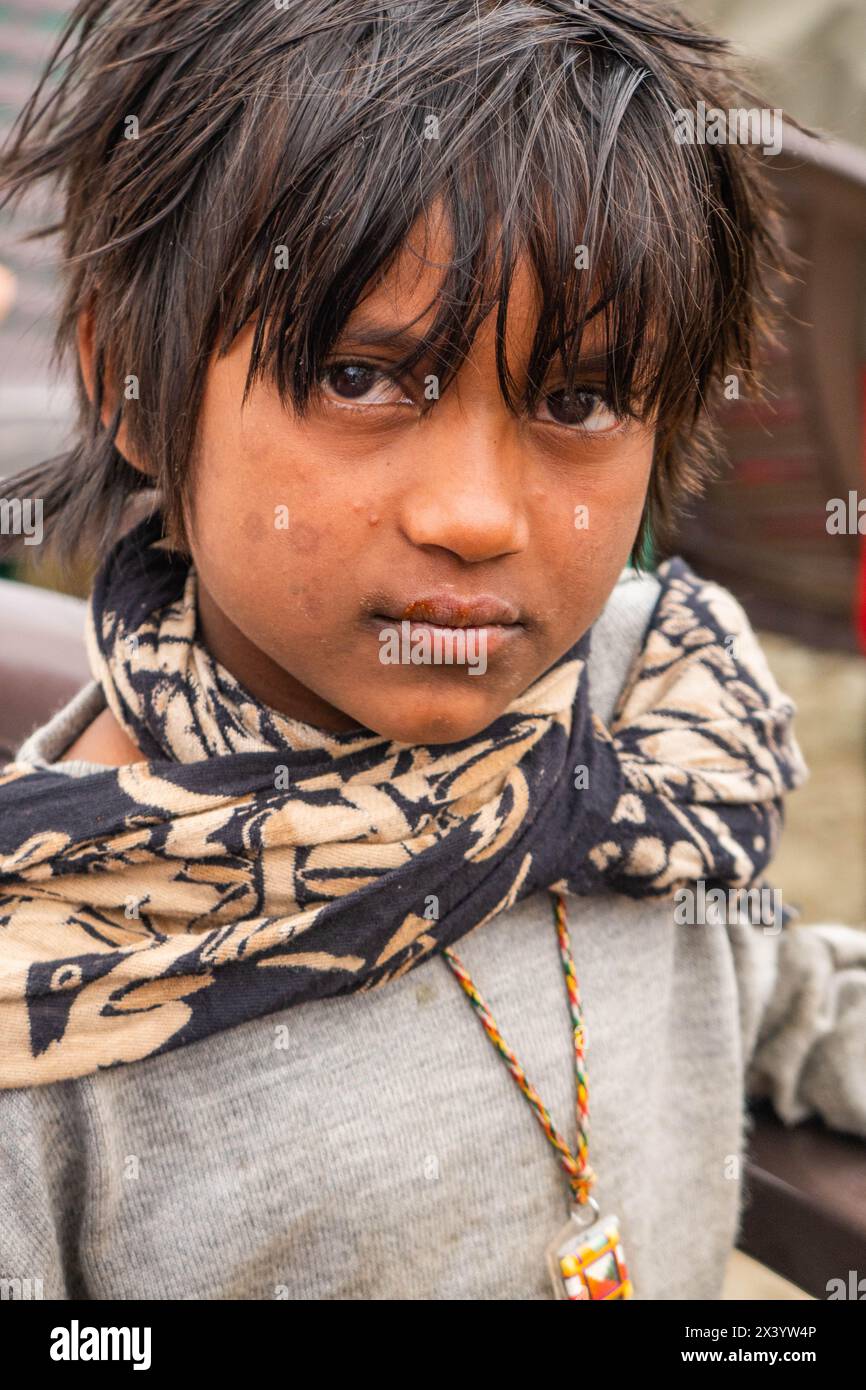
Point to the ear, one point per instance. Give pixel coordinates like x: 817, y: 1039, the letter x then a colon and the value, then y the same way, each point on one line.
x: 85, y: 337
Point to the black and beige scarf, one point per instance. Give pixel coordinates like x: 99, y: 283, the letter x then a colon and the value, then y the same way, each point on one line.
x: 253, y: 862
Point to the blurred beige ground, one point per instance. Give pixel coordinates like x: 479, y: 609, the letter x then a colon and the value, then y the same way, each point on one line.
x: 747, y: 1279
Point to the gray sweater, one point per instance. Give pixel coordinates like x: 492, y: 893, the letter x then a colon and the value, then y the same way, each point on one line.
x: 374, y: 1146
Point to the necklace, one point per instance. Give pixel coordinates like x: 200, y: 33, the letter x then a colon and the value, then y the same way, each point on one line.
x: 585, y: 1258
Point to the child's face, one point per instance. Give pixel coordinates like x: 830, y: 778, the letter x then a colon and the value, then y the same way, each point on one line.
x: 312, y: 538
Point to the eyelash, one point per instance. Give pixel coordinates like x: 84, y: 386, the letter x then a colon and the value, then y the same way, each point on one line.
x: 599, y: 396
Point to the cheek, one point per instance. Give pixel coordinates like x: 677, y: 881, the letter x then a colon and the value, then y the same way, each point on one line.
x: 619, y: 492
x: 590, y: 523
x: 272, y: 536
x: 251, y: 486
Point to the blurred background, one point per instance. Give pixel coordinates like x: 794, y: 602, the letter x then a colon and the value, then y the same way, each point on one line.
x: 761, y: 529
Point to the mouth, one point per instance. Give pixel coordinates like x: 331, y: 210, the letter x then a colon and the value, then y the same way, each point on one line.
x: 484, y: 619
x: 447, y: 609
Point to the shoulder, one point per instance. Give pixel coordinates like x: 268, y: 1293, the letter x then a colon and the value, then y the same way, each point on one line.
x: 103, y: 741
x: 630, y: 605
x: 82, y: 734
x: 617, y: 636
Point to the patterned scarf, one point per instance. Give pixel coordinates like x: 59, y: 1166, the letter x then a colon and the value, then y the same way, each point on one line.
x: 254, y: 862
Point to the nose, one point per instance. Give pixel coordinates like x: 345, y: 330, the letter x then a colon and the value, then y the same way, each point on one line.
x: 465, y: 495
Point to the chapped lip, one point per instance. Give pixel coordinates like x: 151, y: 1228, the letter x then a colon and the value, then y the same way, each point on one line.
x: 448, y: 609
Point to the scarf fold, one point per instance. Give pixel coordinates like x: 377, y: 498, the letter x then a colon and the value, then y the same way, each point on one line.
x: 250, y: 861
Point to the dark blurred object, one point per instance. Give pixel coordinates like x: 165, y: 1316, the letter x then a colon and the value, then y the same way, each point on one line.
x: 42, y: 658
x: 804, y: 1212
x: 761, y: 528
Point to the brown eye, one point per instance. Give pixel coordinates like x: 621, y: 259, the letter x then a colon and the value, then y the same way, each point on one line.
x: 350, y: 379
x: 585, y: 410
x: 361, y: 382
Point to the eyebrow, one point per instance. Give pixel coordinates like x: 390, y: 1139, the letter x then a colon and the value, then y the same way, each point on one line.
x: 364, y: 330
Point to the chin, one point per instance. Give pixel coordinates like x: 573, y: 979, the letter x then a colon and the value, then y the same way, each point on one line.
x: 435, y: 717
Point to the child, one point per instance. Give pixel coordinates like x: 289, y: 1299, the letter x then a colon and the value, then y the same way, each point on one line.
x: 406, y: 316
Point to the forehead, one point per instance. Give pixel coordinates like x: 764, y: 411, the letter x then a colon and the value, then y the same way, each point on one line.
x: 402, y: 300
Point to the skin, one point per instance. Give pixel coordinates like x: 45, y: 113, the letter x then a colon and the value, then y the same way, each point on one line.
x: 385, y: 506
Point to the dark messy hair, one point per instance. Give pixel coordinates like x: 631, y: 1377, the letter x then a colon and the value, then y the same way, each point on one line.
x: 307, y: 125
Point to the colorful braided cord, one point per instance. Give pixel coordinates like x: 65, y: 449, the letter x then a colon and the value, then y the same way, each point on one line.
x: 580, y: 1175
